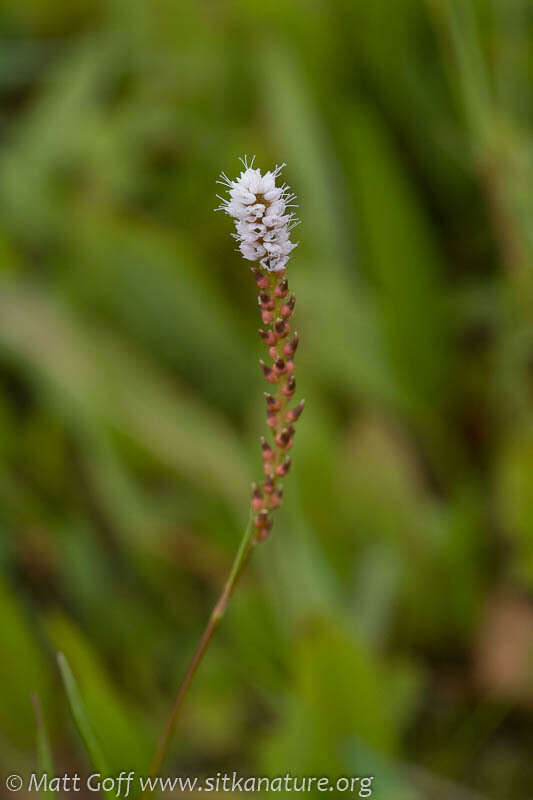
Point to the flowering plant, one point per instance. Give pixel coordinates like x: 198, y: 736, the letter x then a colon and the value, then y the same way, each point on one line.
x: 263, y: 224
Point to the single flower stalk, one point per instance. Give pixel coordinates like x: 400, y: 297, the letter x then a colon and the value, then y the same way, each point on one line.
x: 263, y: 224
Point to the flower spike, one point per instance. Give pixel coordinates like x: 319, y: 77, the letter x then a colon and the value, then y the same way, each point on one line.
x: 262, y: 221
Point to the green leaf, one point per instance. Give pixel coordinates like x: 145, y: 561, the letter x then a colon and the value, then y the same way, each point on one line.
x: 83, y: 725
x: 44, y: 750
x: 108, y: 711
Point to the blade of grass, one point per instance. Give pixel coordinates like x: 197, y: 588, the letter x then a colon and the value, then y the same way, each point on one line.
x: 44, y: 751
x: 80, y: 718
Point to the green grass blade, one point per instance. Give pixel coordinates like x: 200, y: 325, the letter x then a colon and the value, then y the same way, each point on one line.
x: 81, y: 720
x: 44, y: 751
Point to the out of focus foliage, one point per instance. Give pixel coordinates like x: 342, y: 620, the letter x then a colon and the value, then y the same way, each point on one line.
x: 386, y: 626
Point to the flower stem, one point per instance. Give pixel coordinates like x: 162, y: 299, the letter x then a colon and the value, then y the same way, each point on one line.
x: 241, y: 559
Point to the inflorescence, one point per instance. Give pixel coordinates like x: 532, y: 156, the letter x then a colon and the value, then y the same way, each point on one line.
x: 259, y: 208
x: 263, y: 226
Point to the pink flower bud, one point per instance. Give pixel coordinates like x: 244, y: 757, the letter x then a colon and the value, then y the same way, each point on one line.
x: 257, y: 497
x: 266, y: 302
x: 285, y: 438
x: 261, y: 520
x: 266, y: 450
x: 269, y: 485
x: 287, y: 308
x: 282, y: 469
x: 275, y: 500
x: 269, y: 337
x: 263, y: 533
x: 272, y: 402
x: 282, y: 288
x: 261, y: 279
x: 268, y: 372
x: 280, y: 368
x: 290, y: 347
x: 294, y: 413
x: 290, y: 387
x: 281, y: 327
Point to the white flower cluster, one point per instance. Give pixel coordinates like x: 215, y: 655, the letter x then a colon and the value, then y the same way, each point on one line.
x: 259, y: 208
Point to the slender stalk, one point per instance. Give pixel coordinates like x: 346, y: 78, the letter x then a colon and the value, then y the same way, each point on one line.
x: 245, y: 548
x: 259, y: 208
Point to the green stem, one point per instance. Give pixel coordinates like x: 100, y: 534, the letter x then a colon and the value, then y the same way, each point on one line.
x: 240, y: 561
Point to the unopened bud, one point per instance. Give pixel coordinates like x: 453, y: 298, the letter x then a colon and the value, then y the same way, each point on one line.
x: 290, y: 347
x: 268, y: 372
x: 281, y: 327
x: 262, y: 280
x: 257, y: 497
x: 279, y: 366
x: 272, y: 402
x: 265, y: 301
x: 269, y: 485
x: 294, y: 413
x: 261, y: 520
x: 284, y: 438
x: 282, y: 288
x: 282, y: 469
x: 264, y: 531
x: 290, y: 387
x: 269, y: 337
x: 288, y: 307
x: 266, y: 450
x: 275, y: 500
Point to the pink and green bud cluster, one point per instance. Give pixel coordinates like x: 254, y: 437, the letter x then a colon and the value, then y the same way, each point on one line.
x: 263, y: 223
x: 276, y: 306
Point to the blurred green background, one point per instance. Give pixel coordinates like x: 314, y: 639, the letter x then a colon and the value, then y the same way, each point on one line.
x: 386, y: 626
